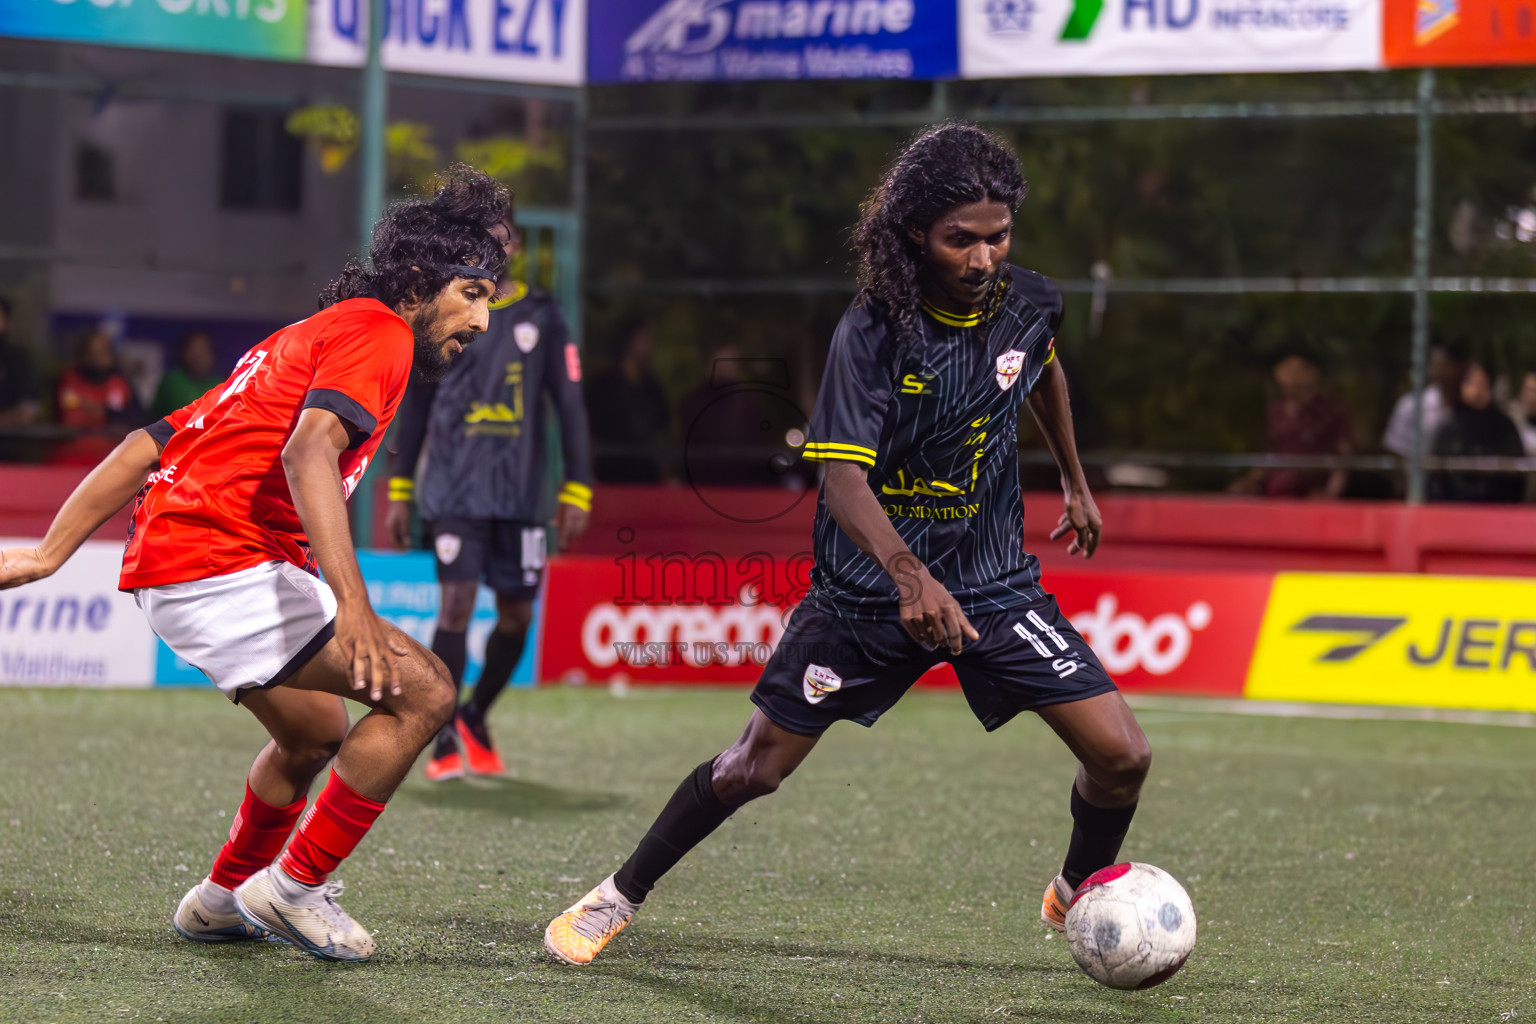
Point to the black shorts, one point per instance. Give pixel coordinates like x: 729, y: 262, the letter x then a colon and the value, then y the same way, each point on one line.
x: 507, y: 554
x: 828, y: 669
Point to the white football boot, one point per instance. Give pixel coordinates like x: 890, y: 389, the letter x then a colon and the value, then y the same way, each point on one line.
x: 207, y: 914
x: 307, y: 916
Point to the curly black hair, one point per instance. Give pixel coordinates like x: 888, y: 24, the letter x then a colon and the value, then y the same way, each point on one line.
x: 943, y: 166
x: 419, y: 239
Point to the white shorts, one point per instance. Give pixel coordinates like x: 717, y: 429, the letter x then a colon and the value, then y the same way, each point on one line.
x: 255, y: 627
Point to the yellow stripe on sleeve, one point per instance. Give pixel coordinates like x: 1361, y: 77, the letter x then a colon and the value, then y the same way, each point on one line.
x: 838, y: 446
x: 577, y: 494
x: 847, y: 453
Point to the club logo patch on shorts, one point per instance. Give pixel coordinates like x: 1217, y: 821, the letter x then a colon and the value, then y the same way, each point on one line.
x: 526, y: 335
x: 1008, y: 366
x: 820, y: 681
x: 448, y: 547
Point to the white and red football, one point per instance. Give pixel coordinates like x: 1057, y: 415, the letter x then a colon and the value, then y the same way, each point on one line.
x: 1130, y: 926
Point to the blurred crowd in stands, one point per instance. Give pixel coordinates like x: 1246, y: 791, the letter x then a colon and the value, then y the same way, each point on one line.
x: 1461, y: 413
x: 76, y: 413
x: 739, y: 426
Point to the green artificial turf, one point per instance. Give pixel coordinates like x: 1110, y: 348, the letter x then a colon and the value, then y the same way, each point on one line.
x: 1341, y: 870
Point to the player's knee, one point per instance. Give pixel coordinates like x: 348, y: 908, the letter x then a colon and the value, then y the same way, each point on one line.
x: 443, y: 698
x: 310, y: 756
x: 432, y: 695
x: 1128, y: 768
x: 742, y: 780
x: 514, y: 619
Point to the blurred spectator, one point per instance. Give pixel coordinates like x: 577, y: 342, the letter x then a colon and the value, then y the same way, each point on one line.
x: 627, y: 408
x: 1523, y: 411
x: 1446, y: 366
x: 1302, y: 421
x: 18, y: 394
x: 95, y: 398
x: 1477, y: 427
x: 192, y: 377
x: 738, y: 425
x: 723, y: 426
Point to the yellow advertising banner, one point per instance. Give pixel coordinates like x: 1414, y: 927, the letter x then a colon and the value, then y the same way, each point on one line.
x: 1435, y: 641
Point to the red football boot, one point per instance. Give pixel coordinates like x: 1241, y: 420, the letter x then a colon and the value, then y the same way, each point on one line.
x: 479, y: 751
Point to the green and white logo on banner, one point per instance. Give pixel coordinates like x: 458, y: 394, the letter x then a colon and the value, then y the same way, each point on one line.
x: 1080, y: 21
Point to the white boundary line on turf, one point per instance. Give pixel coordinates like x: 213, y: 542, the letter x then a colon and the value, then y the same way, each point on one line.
x: 1303, y: 709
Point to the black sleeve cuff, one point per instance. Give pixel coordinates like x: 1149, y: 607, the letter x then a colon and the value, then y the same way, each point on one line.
x: 359, y: 421
x: 162, y: 431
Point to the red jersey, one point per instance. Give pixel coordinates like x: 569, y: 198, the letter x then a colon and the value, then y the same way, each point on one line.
x: 220, y: 501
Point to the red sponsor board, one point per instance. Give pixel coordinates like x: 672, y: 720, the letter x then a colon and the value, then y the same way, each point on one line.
x: 1168, y: 632
x: 665, y: 619
x: 660, y: 622
x: 1438, y: 33
x: 1162, y: 632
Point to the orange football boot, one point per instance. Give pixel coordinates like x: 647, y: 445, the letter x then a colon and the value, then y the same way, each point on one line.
x: 1053, y: 909
x: 579, y: 934
x: 442, y: 769
x: 482, y: 758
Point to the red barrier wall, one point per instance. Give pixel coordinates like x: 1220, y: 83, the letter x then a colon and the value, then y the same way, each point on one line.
x: 1184, y: 533
x: 1200, y: 533
x: 30, y: 495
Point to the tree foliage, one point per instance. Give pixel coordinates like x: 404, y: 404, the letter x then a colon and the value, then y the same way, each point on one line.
x: 1148, y: 199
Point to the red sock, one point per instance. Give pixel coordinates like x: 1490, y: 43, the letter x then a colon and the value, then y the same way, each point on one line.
x: 255, y: 839
x: 334, y: 826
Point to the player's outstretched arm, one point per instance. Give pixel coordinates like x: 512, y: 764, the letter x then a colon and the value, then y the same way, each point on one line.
x: 929, y: 613
x: 310, y: 460
x: 99, y: 497
x: 1053, y: 412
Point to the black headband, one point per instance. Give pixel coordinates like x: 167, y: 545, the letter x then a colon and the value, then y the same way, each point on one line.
x: 461, y: 270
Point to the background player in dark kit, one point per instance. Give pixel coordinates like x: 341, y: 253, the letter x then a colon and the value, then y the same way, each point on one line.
x: 482, y: 492
x: 919, y: 527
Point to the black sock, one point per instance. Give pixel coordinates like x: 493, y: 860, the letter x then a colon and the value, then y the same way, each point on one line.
x: 502, y: 651
x: 691, y: 815
x: 1097, y: 833
x: 449, y: 646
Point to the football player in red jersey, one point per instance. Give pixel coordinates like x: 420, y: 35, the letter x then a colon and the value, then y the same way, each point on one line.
x: 241, y: 498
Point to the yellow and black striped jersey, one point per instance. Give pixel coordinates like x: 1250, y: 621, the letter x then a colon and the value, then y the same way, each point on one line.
x: 482, y: 427
x: 935, y: 421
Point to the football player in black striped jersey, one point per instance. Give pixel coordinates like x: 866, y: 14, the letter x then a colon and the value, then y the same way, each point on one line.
x: 919, y: 532
x: 481, y: 494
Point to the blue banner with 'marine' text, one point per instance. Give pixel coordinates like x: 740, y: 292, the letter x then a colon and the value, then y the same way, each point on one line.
x: 726, y: 40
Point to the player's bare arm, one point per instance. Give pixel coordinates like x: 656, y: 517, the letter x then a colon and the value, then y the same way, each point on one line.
x: 314, y: 477
x: 99, y: 497
x: 928, y: 611
x: 1053, y: 412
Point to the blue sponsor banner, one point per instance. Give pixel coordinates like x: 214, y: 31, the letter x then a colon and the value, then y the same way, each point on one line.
x: 726, y: 40
x: 402, y: 589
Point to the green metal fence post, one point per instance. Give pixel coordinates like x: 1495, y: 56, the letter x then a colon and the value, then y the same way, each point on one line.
x: 370, y: 205
x: 1423, y: 209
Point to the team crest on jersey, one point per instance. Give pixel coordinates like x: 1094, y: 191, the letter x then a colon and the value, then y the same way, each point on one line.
x: 526, y: 335
x: 448, y: 547
x: 1008, y: 366
x: 820, y: 681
